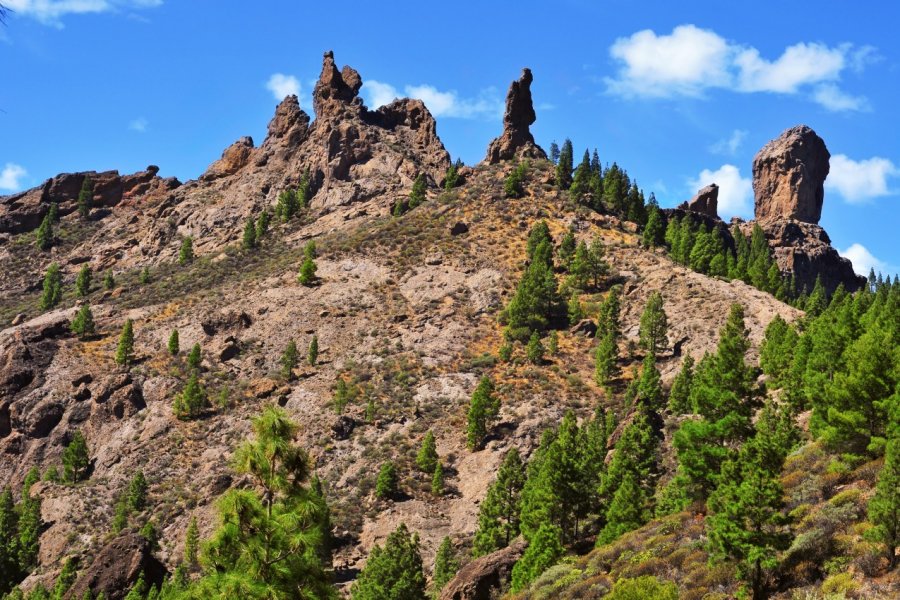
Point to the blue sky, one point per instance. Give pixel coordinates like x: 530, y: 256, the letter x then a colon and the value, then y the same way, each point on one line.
x: 680, y: 94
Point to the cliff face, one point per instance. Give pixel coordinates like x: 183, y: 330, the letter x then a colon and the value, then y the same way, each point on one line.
x: 788, y: 183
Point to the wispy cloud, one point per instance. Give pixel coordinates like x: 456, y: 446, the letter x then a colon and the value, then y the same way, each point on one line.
x: 862, y: 180
x: 735, y: 191
x: 51, y: 12
x: 140, y: 125
x: 282, y: 86
x: 11, y: 177
x: 730, y: 145
x: 690, y: 61
x: 864, y: 261
x: 487, y: 104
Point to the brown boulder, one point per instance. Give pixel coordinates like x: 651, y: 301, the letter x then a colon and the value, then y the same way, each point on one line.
x: 234, y: 158
x: 516, y: 140
x: 486, y: 576
x: 117, y: 567
x: 706, y: 202
x: 788, y: 177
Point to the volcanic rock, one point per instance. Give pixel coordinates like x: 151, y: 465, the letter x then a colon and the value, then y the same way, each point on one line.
x: 234, y: 158
x: 788, y: 177
x: 486, y: 576
x: 117, y: 567
x: 516, y: 140
x: 706, y: 202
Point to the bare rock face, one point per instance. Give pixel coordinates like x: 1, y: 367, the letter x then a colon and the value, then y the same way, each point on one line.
x: 706, y: 202
x: 788, y: 177
x: 516, y: 140
x: 484, y: 577
x: 235, y: 158
x: 117, y: 567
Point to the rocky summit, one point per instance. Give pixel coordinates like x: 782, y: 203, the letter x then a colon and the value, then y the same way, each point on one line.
x: 337, y: 363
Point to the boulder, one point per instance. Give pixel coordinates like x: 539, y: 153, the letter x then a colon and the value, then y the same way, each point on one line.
x: 788, y: 177
x: 486, y: 576
x: 585, y: 327
x: 516, y: 140
x: 117, y: 566
x: 706, y: 202
x: 234, y: 158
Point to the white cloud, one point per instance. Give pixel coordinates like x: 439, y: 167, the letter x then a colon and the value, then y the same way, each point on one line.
x: 379, y: 93
x: 863, y: 260
x: 859, y: 181
x: 140, y: 125
x: 440, y: 103
x: 282, y: 86
x: 11, y: 177
x: 51, y: 12
x: 690, y: 61
x: 735, y: 192
x: 729, y: 145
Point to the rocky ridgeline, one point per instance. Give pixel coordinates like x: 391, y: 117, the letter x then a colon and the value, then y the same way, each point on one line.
x: 788, y: 184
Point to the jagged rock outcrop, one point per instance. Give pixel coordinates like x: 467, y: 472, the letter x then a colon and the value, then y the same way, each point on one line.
x: 706, y: 202
x: 24, y: 211
x: 234, y: 158
x: 117, y: 567
x: 516, y: 140
x: 788, y: 177
x: 486, y: 576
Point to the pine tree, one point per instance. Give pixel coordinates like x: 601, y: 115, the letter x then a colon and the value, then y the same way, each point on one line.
x: 137, y: 492
x: 884, y: 507
x: 191, y: 543
x: 554, y: 152
x: 575, y: 312
x: 513, y: 185
x: 262, y: 224
x: 597, y: 266
x: 248, y: 241
x: 86, y: 198
x: 654, y: 325
x: 268, y: 543
x: 186, y: 252
x: 747, y: 523
x: 307, y: 274
x: 567, y: 248
x: 192, y: 400
x: 680, y: 393
x: 172, y: 346
x: 9, y: 546
x: 564, y: 166
x: 427, y: 458
x: 343, y: 394
x: 605, y: 358
x: 312, y: 352
x: 288, y: 205
x: 649, y: 389
x: 543, y: 551
x: 125, y: 349
x: 44, y: 235
x: 310, y: 250
x: 109, y: 282
x: 83, y: 281
x: 608, y: 321
x: 553, y: 343
x: 776, y: 352
x: 437, y: 480
x: 627, y: 511
x: 534, y: 351
x: 195, y: 357
x: 66, y: 578
x: 654, y: 231
x: 387, y: 482
x: 120, y: 515
x: 483, y: 410
x: 52, y: 293
x: 145, y: 276
x: 582, y: 179
x: 75, y: 458
x: 498, y: 514
x: 452, y: 179
x: 30, y: 527
x: 417, y: 194
x: 289, y: 361
x: 83, y: 324
x: 445, y: 567
x: 393, y: 572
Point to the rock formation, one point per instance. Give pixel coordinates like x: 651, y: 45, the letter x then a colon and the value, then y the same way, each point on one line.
x: 117, y: 567
x: 788, y: 177
x: 706, y: 202
x: 516, y: 140
x: 486, y: 576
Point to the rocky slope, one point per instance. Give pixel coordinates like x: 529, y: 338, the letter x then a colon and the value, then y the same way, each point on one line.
x: 404, y: 309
